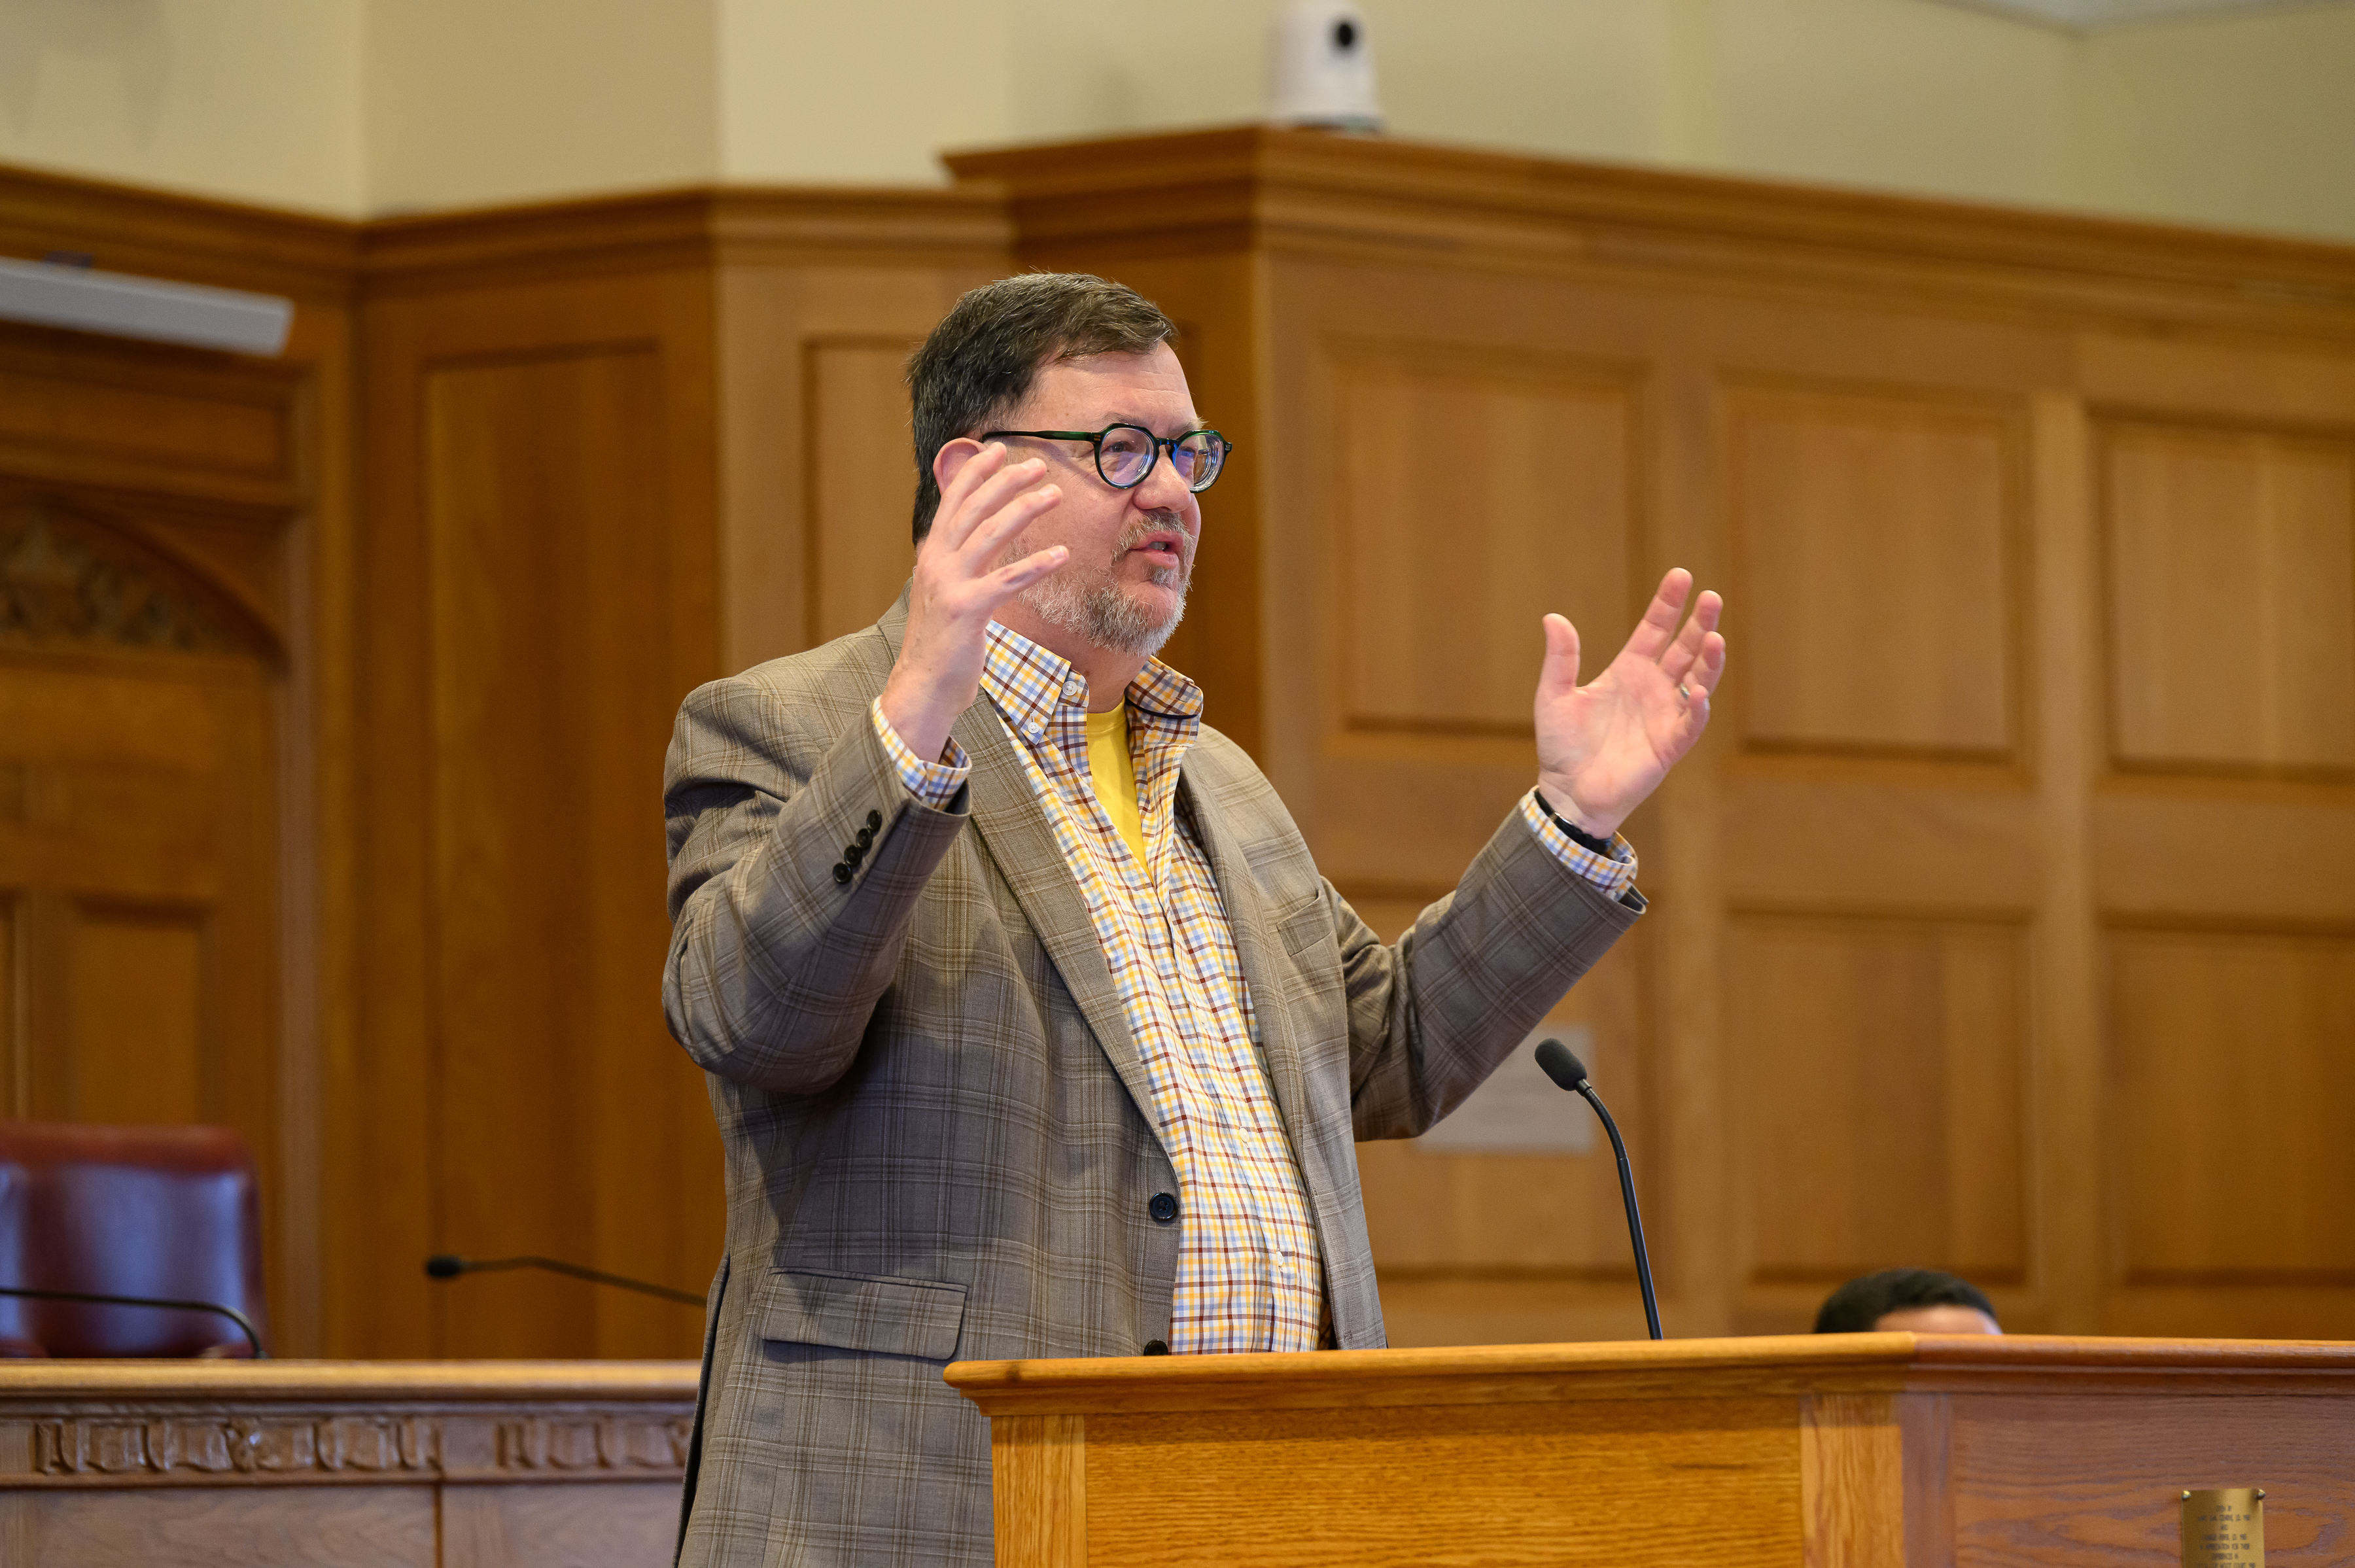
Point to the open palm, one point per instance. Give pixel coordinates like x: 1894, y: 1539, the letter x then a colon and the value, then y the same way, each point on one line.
x: 1604, y: 746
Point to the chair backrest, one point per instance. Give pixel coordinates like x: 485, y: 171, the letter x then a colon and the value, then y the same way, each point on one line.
x: 148, y: 1211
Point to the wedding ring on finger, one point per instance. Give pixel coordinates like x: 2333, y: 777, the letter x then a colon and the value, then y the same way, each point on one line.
x: 1685, y: 692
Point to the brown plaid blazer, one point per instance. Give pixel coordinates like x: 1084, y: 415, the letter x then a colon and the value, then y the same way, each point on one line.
x: 932, y: 1106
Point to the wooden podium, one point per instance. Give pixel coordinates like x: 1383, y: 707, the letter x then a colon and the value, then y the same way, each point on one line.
x: 1833, y: 1452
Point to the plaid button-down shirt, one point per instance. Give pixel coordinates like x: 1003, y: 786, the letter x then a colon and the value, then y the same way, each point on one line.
x: 1250, y: 1273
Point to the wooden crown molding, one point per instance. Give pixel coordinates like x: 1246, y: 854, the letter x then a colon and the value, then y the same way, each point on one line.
x: 732, y: 225
x: 124, y: 228
x: 1313, y: 193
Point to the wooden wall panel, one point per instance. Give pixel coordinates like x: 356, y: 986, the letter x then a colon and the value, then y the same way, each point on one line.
x: 140, y: 731
x: 1473, y: 495
x: 862, y: 482
x: 1520, y: 1247
x: 618, y: 448
x: 1879, y: 1075
x: 2228, y: 1055
x: 550, y: 550
x: 143, y: 1034
x: 1885, y: 523
x: 2231, y: 599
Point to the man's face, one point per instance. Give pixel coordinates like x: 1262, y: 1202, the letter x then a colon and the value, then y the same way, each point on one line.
x: 1132, y: 550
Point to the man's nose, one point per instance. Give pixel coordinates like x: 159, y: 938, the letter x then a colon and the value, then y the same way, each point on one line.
x: 1165, y: 489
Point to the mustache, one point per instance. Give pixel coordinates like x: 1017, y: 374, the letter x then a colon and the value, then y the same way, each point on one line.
x: 1155, y: 523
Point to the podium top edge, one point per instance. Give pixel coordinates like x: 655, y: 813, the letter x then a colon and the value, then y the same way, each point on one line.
x: 1760, y: 1364
x: 451, y: 1382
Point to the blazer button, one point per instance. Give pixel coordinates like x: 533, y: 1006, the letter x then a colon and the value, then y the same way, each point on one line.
x: 874, y: 820
x: 1163, y: 1207
x: 1156, y: 1347
x: 853, y: 853
x: 841, y: 872
x: 866, y: 836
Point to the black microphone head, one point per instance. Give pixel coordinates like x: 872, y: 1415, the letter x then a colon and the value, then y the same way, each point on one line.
x: 1560, y: 1065
x: 444, y: 1266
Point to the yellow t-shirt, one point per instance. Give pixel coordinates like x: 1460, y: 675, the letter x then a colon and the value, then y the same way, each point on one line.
x: 1113, y: 772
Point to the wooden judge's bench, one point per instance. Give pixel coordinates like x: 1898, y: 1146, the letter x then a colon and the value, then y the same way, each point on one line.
x: 1793, y: 1452
x: 342, y: 1464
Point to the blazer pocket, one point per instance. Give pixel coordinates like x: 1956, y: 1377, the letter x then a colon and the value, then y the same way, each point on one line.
x: 1304, y: 927
x: 920, y: 1318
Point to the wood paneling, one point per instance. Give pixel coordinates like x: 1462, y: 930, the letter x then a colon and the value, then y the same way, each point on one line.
x: 1472, y: 495
x: 1905, y: 437
x: 2231, y: 599
x: 619, y: 449
x: 862, y: 481
x: 144, y: 1037
x: 1519, y: 1247
x: 2042, y: 569
x: 2230, y: 1062
x: 142, y: 838
x: 549, y: 558
x: 1879, y: 1071
x: 1876, y: 567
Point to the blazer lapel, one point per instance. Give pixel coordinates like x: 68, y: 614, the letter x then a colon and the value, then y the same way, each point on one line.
x: 1256, y: 948
x: 1017, y: 838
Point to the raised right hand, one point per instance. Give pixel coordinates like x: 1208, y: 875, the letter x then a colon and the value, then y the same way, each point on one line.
x: 958, y: 586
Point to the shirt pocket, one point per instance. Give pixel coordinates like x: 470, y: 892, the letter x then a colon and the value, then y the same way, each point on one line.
x: 920, y: 1318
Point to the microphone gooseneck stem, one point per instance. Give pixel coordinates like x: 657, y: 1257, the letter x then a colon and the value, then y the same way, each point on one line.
x: 97, y: 1298
x: 441, y: 1265
x: 1634, y: 1219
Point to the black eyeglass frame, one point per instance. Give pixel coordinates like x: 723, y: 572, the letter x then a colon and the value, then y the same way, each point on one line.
x: 1095, y: 440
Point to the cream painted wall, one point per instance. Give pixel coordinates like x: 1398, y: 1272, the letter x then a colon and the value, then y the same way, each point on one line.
x: 2248, y: 124
x: 476, y: 102
x: 251, y: 100
x: 361, y: 106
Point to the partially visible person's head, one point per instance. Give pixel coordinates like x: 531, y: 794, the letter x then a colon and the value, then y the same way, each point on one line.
x: 980, y: 363
x: 1920, y: 1299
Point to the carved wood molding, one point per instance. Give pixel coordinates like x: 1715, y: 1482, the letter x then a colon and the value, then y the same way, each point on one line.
x: 697, y: 227
x: 69, y: 583
x: 128, y: 230
x: 1311, y: 193
x: 269, y: 1445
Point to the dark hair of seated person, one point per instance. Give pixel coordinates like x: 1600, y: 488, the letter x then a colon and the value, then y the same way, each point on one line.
x: 1860, y: 1304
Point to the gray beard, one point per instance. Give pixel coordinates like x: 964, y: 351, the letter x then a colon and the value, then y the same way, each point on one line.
x: 1100, y: 612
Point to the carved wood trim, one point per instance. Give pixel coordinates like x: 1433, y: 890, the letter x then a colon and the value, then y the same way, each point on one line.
x: 273, y: 1445
x: 1309, y: 194
x: 128, y: 230
x: 69, y: 580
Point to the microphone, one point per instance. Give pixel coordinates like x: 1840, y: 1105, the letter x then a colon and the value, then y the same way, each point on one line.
x: 245, y: 1324
x: 1568, y: 1072
x: 449, y: 1266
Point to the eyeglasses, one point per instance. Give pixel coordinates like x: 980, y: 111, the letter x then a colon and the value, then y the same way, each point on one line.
x: 1125, y: 453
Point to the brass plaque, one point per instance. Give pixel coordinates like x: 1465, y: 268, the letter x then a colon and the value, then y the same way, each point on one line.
x: 2225, y: 1527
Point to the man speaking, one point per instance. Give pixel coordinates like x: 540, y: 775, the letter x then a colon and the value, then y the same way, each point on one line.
x: 1031, y: 1029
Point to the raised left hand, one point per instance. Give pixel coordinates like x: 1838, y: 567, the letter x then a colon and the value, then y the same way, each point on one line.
x: 1602, y: 747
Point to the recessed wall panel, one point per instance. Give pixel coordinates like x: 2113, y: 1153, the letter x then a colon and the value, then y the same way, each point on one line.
x: 2231, y: 599
x: 554, y: 692
x: 1479, y: 493
x: 1876, y: 541
x: 862, y: 481
x: 139, y: 1034
x: 1880, y: 1064
x: 2232, y: 1074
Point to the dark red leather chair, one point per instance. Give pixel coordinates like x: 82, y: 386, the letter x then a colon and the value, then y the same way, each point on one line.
x: 147, y: 1211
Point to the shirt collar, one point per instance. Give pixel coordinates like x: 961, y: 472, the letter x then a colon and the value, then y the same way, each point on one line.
x: 1029, y: 683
